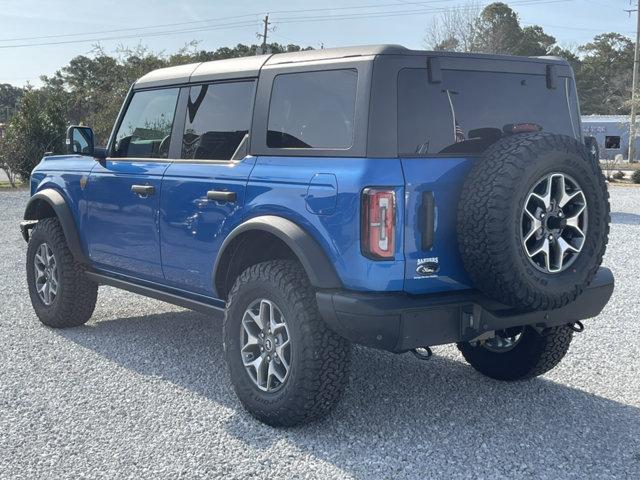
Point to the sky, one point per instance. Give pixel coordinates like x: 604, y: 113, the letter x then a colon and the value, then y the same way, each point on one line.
x: 38, y: 37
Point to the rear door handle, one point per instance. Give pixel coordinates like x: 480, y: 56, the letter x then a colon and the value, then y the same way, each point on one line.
x: 143, y: 190
x: 221, y: 196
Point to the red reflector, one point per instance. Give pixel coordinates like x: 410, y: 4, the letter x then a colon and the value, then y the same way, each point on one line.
x: 521, y: 128
x: 378, y: 223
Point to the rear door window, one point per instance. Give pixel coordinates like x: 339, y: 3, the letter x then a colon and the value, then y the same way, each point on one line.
x: 468, y: 111
x: 313, y: 110
x: 218, y: 121
x: 145, y: 130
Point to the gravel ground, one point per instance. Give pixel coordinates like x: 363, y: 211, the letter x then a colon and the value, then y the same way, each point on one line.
x: 142, y: 392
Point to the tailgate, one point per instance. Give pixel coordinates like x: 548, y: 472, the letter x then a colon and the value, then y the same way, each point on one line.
x: 433, y: 186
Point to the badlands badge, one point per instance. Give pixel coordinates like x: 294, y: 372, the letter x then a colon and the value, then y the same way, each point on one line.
x: 427, y: 267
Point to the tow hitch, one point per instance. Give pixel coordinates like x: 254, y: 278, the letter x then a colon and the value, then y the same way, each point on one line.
x: 422, y: 353
x: 576, y: 326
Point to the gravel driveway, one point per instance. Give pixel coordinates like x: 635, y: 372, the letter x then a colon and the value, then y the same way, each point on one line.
x: 142, y: 392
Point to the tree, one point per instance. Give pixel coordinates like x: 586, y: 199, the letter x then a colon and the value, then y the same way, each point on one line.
x: 453, y: 30
x: 9, y: 97
x: 494, y: 29
x: 88, y: 90
x: 38, y: 127
x: 534, y: 42
x: 497, y: 30
x: 605, y: 75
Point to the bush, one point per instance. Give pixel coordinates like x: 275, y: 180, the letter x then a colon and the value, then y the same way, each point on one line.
x: 39, y: 126
x: 619, y: 175
x: 635, y: 178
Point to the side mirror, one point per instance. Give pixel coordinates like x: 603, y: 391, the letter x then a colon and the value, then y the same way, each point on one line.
x: 80, y: 142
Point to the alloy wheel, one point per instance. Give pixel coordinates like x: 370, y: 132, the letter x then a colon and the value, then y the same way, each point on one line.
x: 46, y: 274
x: 265, y: 345
x: 554, y: 223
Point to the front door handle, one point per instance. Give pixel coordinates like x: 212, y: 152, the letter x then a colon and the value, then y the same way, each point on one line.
x: 221, y: 196
x: 143, y: 190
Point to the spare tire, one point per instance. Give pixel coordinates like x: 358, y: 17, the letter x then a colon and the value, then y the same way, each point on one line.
x: 533, y: 220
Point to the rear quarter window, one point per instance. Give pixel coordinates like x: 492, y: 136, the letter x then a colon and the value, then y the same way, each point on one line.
x: 313, y: 110
x: 468, y: 110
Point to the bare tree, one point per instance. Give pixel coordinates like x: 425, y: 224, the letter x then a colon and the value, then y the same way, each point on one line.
x: 453, y: 29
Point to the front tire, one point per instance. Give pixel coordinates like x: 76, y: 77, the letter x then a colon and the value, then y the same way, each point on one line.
x: 60, y: 293
x: 272, y: 322
x: 518, y: 354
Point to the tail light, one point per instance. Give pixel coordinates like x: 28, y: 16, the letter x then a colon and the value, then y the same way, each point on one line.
x: 378, y: 231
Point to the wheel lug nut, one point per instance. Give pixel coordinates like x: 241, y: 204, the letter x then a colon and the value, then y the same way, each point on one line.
x: 262, y: 349
x: 268, y: 358
x: 550, y: 237
x: 542, y: 215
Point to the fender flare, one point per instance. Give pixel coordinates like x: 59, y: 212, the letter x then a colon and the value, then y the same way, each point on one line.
x: 313, y: 258
x: 58, y: 204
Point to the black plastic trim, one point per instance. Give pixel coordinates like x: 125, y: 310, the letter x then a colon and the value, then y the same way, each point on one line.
x: 552, y: 77
x: 315, y: 262
x: 154, y: 292
x: 435, y: 72
x: 59, y: 205
x: 398, y: 322
x: 428, y: 220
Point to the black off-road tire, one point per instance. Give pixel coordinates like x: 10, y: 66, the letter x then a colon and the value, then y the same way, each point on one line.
x: 76, y: 298
x: 535, y: 354
x: 320, y: 359
x: 489, y: 220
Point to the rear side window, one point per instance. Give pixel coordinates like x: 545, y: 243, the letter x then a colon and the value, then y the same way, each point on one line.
x: 145, y: 130
x: 218, y: 121
x: 313, y: 110
x: 468, y: 111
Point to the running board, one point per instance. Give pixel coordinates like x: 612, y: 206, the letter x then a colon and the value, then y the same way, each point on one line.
x: 156, y: 293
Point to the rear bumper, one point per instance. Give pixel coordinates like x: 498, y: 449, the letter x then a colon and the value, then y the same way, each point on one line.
x: 398, y: 322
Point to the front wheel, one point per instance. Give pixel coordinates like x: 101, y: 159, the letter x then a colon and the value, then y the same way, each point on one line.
x: 60, y: 293
x: 286, y: 366
x: 518, y: 353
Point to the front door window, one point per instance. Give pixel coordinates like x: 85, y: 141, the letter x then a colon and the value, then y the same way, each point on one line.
x: 145, y: 130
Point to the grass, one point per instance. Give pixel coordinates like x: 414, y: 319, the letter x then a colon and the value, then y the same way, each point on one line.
x: 621, y: 166
x: 4, y: 185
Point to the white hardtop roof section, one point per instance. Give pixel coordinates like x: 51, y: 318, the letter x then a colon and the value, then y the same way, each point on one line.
x: 249, y: 67
x: 167, y: 76
x: 244, y: 67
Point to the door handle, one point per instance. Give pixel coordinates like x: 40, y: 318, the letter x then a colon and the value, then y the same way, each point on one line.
x: 143, y: 190
x: 221, y: 196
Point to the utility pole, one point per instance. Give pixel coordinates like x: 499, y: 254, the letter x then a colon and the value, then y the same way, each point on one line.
x: 265, y: 33
x: 634, y: 90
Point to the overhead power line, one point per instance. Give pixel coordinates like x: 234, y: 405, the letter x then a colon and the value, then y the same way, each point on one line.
x: 252, y: 23
x: 208, y: 20
x: 123, y: 37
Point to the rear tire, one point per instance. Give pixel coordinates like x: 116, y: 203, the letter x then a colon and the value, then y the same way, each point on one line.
x: 318, y: 359
x: 75, y: 296
x: 534, y: 354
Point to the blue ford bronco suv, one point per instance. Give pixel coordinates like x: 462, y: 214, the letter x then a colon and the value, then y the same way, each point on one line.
x: 393, y: 198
